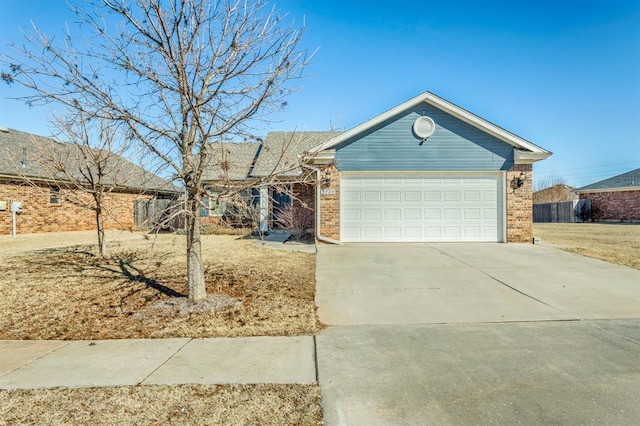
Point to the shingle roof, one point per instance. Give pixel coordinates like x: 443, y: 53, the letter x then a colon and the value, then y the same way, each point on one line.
x: 280, y: 152
x: 625, y: 180
x: 235, y: 157
x: 19, y: 152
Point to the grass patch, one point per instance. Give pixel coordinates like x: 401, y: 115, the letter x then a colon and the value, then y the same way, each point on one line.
x: 70, y: 293
x: 616, y: 243
x: 165, y: 405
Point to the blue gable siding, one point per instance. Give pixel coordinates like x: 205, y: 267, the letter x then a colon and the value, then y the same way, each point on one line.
x: 455, y: 145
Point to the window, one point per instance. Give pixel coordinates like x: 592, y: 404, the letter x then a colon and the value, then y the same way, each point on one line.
x: 214, y: 206
x: 54, y: 196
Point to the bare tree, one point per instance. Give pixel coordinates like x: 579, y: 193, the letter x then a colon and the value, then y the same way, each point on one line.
x: 89, y: 166
x: 179, y: 75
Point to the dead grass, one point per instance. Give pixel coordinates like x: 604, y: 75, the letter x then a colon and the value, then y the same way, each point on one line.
x: 616, y: 243
x: 70, y: 293
x: 165, y: 405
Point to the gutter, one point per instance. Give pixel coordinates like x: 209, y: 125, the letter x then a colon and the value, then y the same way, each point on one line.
x: 318, y: 235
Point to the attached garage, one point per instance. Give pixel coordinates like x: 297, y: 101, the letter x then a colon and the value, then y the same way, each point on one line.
x: 422, y: 207
x: 426, y: 171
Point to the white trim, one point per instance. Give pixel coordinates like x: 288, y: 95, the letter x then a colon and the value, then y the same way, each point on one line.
x: 504, y: 207
x: 445, y: 106
x: 624, y: 189
x: 264, y: 207
x: 527, y: 157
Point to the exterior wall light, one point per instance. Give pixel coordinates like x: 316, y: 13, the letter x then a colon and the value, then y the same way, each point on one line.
x: 518, y: 181
x: 326, y: 178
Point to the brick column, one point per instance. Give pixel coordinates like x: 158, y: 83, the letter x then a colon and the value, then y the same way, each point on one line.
x: 519, y: 205
x: 330, y: 205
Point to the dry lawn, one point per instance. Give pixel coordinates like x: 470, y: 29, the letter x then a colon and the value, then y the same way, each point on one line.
x: 616, y: 243
x: 71, y: 293
x: 164, y: 405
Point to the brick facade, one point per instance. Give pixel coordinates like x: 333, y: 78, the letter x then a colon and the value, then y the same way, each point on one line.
x: 330, y: 205
x: 520, y: 205
x: 614, y: 205
x: 39, y: 215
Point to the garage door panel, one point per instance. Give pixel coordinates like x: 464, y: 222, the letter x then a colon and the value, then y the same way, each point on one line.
x: 412, y: 232
x: 472, y: 232
x: 452, y: 196
x: 471, y: 214
x: 393, y: 232
x: 392, y: 196
x: 451, y: 214
x: 432, y: 214
x: 353, y: 215
x: 372, y: 196
x: 432, y: 196
x: 412, y: 196
x: 352, y: 196
x: 426, y: 207
x: 373, y: 232
x: 452, y: 232
x: 432, y: 233
x: 392, y: 214
x: 412, y: 214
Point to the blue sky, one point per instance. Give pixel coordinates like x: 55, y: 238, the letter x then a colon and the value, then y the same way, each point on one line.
x: 562, y: 74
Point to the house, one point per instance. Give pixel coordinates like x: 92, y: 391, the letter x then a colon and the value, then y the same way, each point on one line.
x: 48, y: 205
x: 555, y: 194
x: 425, y: 170
x: 267, y: 176
x: 614, y: 199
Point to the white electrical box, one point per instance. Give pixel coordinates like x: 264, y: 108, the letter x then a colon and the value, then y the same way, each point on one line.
x: 16, y: 206
x: 3, y: 206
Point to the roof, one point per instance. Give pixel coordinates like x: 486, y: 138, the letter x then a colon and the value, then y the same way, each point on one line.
x: 527, y: 151
x: 278, y: 155
x: 19, y: 153
x: 281, y: 151
x: 235, y: 158
x: 625, y: 181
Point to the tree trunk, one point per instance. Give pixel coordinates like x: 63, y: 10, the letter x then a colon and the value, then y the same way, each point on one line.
x: 102, y: 241
x: 195, y: 269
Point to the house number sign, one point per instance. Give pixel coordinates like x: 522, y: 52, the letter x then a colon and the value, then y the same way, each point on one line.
x: 328, y: 191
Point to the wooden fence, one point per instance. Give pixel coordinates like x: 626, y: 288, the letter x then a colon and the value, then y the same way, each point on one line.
x: 562, y: 212
x: 157, y: 215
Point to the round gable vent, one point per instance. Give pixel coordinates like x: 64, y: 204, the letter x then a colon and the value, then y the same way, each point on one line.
x: 424, y: 127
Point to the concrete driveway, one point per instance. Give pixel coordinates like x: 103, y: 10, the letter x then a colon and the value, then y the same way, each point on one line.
x: 462, y: 283
x: 454, y: 334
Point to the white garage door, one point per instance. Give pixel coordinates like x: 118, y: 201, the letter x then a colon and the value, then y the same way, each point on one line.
x: 421, y: 207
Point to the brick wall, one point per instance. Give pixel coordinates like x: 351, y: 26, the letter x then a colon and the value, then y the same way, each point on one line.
x: 39, y: 215
x: 614, y: 205
x: 519, y: 205
x: 330, y: 206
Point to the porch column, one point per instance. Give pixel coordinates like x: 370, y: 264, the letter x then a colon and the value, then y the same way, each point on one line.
x: 264, y: 207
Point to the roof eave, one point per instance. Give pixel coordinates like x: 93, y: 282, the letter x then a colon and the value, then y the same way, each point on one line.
x: 444, y: 105
x: 616, y: 189
x: 528, y: 157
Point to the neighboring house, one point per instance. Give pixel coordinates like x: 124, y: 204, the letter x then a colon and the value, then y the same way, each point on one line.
x: 48, y: 206
x: 555, y: 194
x: 426, y: 170
x: 614, y: 199
x: 267, y: 175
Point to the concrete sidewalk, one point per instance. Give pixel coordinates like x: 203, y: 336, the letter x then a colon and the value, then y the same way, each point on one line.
x: 47, y: 364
